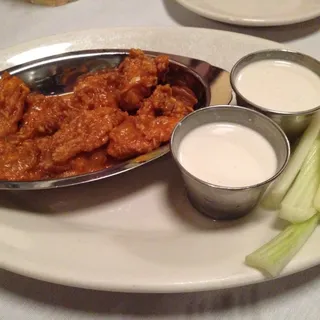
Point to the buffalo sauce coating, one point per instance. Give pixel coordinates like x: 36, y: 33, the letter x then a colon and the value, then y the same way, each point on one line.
x: 13, y: 93
x: 112, y: 115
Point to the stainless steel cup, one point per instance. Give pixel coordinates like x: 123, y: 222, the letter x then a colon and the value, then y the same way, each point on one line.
x: 219, y: 202
x: 292, y: 123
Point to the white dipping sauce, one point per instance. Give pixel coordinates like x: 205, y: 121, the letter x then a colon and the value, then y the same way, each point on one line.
x: 279, y: 85
x: 228, y: 155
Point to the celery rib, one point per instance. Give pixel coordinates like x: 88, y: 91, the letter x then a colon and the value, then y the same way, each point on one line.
x: 272, y: 257
x: 297, y: 205
x: 279, y: 189
x: 316, y: 201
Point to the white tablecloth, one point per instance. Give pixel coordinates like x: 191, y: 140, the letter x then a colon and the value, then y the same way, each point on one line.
x: 295, y: 297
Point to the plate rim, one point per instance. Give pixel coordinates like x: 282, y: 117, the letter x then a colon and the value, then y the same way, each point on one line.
x: 154, y: 287
x: 178, y: 287
x: 249, y: 22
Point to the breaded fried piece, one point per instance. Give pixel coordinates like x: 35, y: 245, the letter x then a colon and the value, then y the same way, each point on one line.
x: 97, y: 90
x: 154, y: 123
x: 128, y: 140
x: 19, y: 161
x: 88, y: 131
x: 13, y: 93
x: 86, y: 162
x: 158, y: 129
x: 162, y: 64
x: 139, y: 135
x: 46, y: 164
x: 44, y: 115
x: 169, y: 101
x: 140, y: 74
x: 186, y: 99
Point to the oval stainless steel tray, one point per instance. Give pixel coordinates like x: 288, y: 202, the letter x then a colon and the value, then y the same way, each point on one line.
x: 57, y: 74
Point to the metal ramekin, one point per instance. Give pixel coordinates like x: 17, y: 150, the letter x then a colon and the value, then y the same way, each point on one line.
x: 292, y: 123
x: 225, y: 203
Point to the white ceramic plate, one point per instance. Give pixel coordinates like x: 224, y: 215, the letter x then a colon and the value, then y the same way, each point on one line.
x: 255, y: 12
x: 137, y: 231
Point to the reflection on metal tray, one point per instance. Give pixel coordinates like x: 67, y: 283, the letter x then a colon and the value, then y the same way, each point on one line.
x: 57, y: 75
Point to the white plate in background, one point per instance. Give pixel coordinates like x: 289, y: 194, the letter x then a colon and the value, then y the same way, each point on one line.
x: 255, y: 12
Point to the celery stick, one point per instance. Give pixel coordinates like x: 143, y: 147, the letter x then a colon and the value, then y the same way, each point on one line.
x: 279, y: 189
x: 316, y: 201
x: 296, y: 215
x: 272, y: 257
x: 297, y: 205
